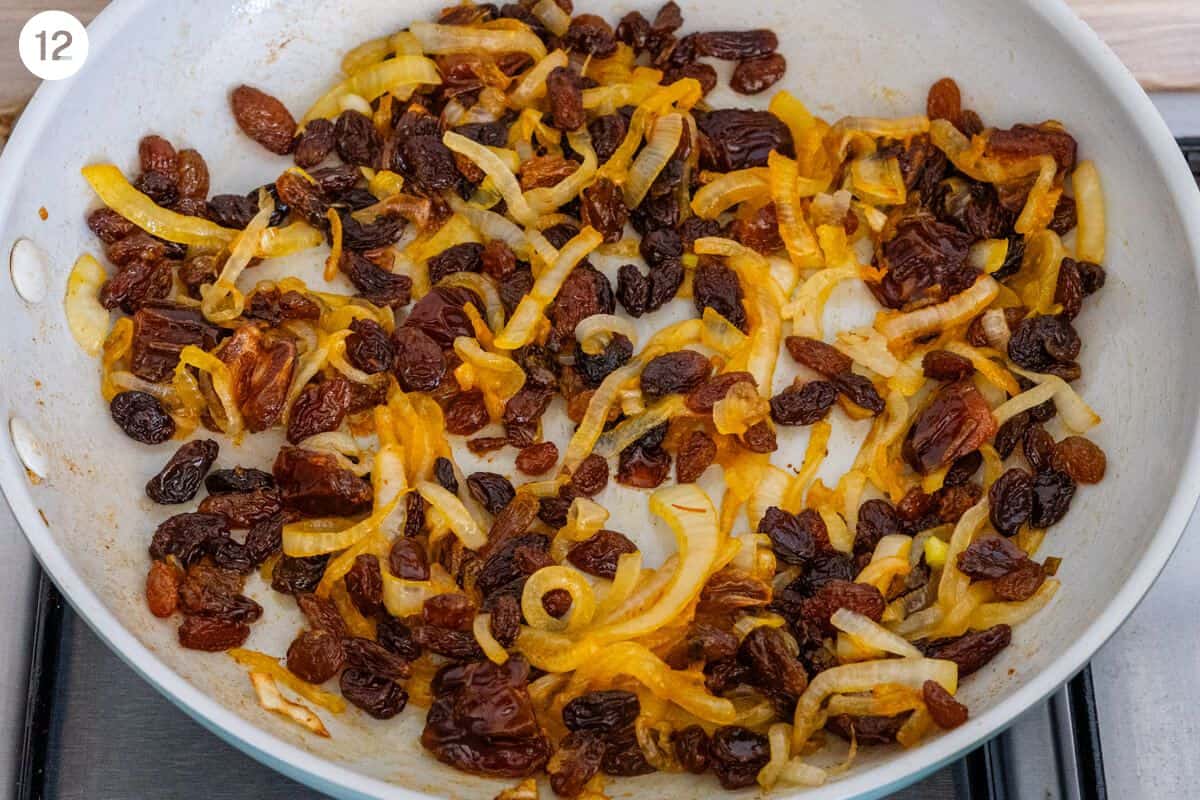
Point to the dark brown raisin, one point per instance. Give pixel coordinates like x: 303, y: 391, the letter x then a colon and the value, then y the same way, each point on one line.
x: 1011, y: 433
x: 704, y: 74
x: 323, y: 614
x: 429, y: 162
x: 739, y: 138
x: 607, y: 133
x: 623, y: 756
x: 942, y: 365
x: 505, y: 623
x: 702, y: 399
x: 674, y: 373
x: 320, y: 407
x: 381, y: 698
x: 264, y: 119
x: 591, y: 35
x: 634, y: 30
x: 491, y: 490
x: 952, y: 502
x: 731, y: 589
x: 696, y: 453
x: 541, y: 171
x: 162, y: 588
x: 633, y: 290
x: 486, y: 444
x: 737, y: 754
x: 373, y: 657
x: 602, y: 206
x: 1069, y: 291
x: 443, y: 472
x: 303, y: 197
x: 315, y: 143
x: 1010, y: 501
x: 944, y: 101
x: 160, y: 188
x: 716, y: 286
x: 859, y: 597
x: 465, y: 257
x: 357, y: 140
x: 691, y: 749
x: 598, y: 554
x: 238, y: 479
x: 466, y: 413
x: 760, y: 438
x: 156, y: 154
x: 527, y: 405
x: 754, y: 75
x: 1080, y: 458
x: 971, y: 650
x: 179, y: 480
x: 397, y: 638
x: 963, y: 469
x: 1091, y: 275
x: 243, y: 509
x: 859, y: 390
x: 868, y: 730
x: 1021, y: 583
x: 537, y: 458
x: 643, y: 467
x: 958, y: 421
x: 109, y: 226
x: 1052, y: 493
x: 990, y: 557
x: 758, y: 229
x: 591, y: 476
x: 605, y: 711
x: 273, y: 306
x: 772, y: 667
x: 1026, y: 141
x: 803, y: 404
x: 498, y: 259
x: 315, y: 655
x: 585, y: 292
x: 419, y: 363
x: 374, y: 283
x: 564, y: 94
x: 364, y: 584
x: 142, y: 417
x: 1039, y: 343
x: 876, y: 519
x: 452, y: 611
x: 576, y: 762
x: 795, y: 538
x: 316, y: 484
x: 595, y: 368
x: 232, y: 210
x: 736, y: 45
x: 557, y: 602
x: 298, y: 575
x: 212, y: 634
x: 407, y: 560
x: 263, y: 540
x: 947, y: 712
x: 368, y: 348
x: 440, y: 316
x: 818, y: 356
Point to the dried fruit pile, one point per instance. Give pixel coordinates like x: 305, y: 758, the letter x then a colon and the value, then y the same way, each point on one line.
x: 503, y: 192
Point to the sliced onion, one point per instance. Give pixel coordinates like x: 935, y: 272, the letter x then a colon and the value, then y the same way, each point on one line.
x: 532, y: 85
x: 629, y: 571
x: 868, y: 347
x: 1077, y: 415
x: 779, y: 736
x: 286, y: 240
x: 995, y: 374
x: 796, y: 233
x: 495, y: 168
x: 807, y: 307
x: 954, y: 582
x: 270, y: 699
x: 1023, y: 402
x: 343, y: 447
x: 444, y: 39
x: 770, y: 492
x: 912, y: 731
x: 1042, y: 199
x: 660, y: 147
x: 311, y: 537
x: 741, y: 407
x: 595, y: 332
x: 220, y: 301
x: 845, y: 130
x: 957, y: 310
x: 720, y: 334
x: 337, y: 568
x: 584, y: 518
x: 1089, y: 206
x: 492, y: 225
x: 228, y: 417
x: 523, y: 322
x: 86, y: 318
x: 862, y: 677
x: 371, y: 82
x: 729, y: 189
x: 460, y: 520
x: 988, y: 255
x: 792, y: 112
x: 799, y: 773
x: 263, y: 663
x: 366, y: 54
x: 482, y: 628
x: 120, y: 195
x: 870, y: 633
x: 878, y: 180
x: 995, y: 329
x: 404, y: 598
x: 633, y: 428
x: 550, y: 14
x: 1012, y: 613
x: 592, y: 425
x: 818, y: 444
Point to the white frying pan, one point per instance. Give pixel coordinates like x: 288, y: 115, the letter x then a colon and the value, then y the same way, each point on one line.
x: 166, y: 66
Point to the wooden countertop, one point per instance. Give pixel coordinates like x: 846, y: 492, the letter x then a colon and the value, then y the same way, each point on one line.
x: 1157, y: 39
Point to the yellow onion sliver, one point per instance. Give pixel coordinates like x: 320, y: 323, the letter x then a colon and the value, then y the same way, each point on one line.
x: 862, y: 677
x: 1037, y: 280
x: 660, y: 147
x: 793, y: 113
x: 373, y: 81
x: 958, y: 309
x: 550, y: 14
x: 404, y: 598
x: 595, y: 332
x: 222, y: 383
x: 86, y: 318
x: 546, y: 199
x: 120, y: 195
x: 634, y: 428
x: 868, y: 347
x: 286, y: 240
x: 629, y: 570
x: 1077, y: 415
x: 569, y: 579
x: 300, y: 540
x: 779, y: 736
x: 887, y: 700
x: 741, y: 407
x: 987, y: 255
x: 1011, y: 613
x: 495, y: 168
x: 443, y: 39
x: 213, y: 298
x: 491, y: 225
x: 502, y: 376
x: 482, y: 628
x: 872, y: 634
x: 261, y: 662
x: 995, y: 374
x: 912, y: 731
x: 532, y: 85
x: 729, y: 189
x: 584, y: 518
x: 808, y: 305
x: 799, y: 773
x: 818, y: 448
x: 1042, y: 199
x: 460, y: 520
x: 390, y: 482
x: 1090, y: 230
x: 364, y: 55
x: 116, y: 346
x: 770, y: 491
x: 878, y: 180
x: 522, y: 324
x: 793, y: 229
x: 592, y: 425
x: 1023, y: 402
x: 954, y: 582
x: 337, y: 568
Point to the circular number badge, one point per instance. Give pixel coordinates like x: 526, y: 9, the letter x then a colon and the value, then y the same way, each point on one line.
x: 53, y: 45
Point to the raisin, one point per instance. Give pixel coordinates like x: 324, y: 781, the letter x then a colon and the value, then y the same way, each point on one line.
x: 443, y: 472
x: 238, y: 479
x: 486, y: 444
x: 303, y: 197
x: 607, y: 133
x: 320, y: 407
x: 634, y: 30
x: 142, y: 417
x: 1080, y: 458
x: 564, y: 94
x: 818, y: 356
x: 315, y: 143
x: 736, y: 45
x: 375, y: 284
x: 261, y: 367
x: 758, y: 230
x: 356, y: 139
x: 868, y: 730
x: 414, y: 514
x: 923, y: 255
x: 513, y: 288
x: 179, y: 480
x: 716, y: 286
x: 804, y: 404
x: 1091, y: 276
x: 795, y: 538
x: 465, y: 257
x: 336, y: 181
x: 598, y: 554
x: 591, y: 35
x: 232, y: 210
x: 595, y: 368
x: 958, y: 421
x: 760, y: 438
x: 440, y: 316
x: 730, y: 589
x: 585, y: 292
x: 944, y: 101
x: 527, y: 405
x: 1039, y: 343
x: 733, y: 138
x: 674, y: 373
x: 953, y: 501
x: 947, y: 712
x: 1069, y: 291
x: 754, y: 75
x: 315, y: 484
x: 505, y: 622
x: 243, y: 509
x: 322, y: 614
x: 623, y: 757
x: 407, y: 560
x: 315, y: 655
x: 162, y: 588
x: 858, y: 597
x: 990, y: 557
x: 466, y: 413
x: 373, y: 657
x: 859, y: 390
x: 263, y: 540
x: 557, y: 602
x: 160, y: 332
x: 602, y: 206
x: 737, y: 754
x: 1021, y: 583
x: 1011, y: 433
x: 419, y: 364
x: 491, y: 490
x: 696, y: 453
x: 158, y: 187
x: 1026, y: 141
x: 702, y: 399
x: 452, y: 611
x: 643, y: 467
x: 369, y: 348
x: 264, y: 119
x: 772, y: 667
x: 364, y: 584
x: 212, y: 634
x: 915, y: 505
x: 942, y: 365
x: 971, y: 650
x: 109, y: 226
x: 704, y: 74
x: 660, y: 246
x: 380, y: 697
x: 537, y: 458
x: 298, y: 575
x: 591, y: 476
x: 429, y: 162
x: 1011, y: 502
x: 605, y: 711
x: 575, y: 763
x: 876, y: 519
x: 156, y: 154
x: 633, y: 290
x: 1052, y: 493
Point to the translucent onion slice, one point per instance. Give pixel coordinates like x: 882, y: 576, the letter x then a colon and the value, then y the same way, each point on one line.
x: 523, y: 322
x: 443, y: 39
x: 988, y: 614
x: 1042, y: 199
x: 887, y: 700
x: 86, y: 318
x: 1077, y: 415
x: 878, y: 180
x: 683, y: 93
x: 584, y: 518
x: 807, y: 307
x: 550, y: 14
x: 870, y: 633
x: 492, y: 225
x: 995, y: 374
x: 741, y: 407
x: 304, y: 539
x: 120, y: 195
x: 793, y: 229
x: 337, y: 568
x: 220, y: 302
x: 869, y: 348
x: 788, y: 108
x: 404, y: 598
x: 848, y: 129
x: 373, y: 81
x: 779, y: 736
x: 729, y: 189
x: 271, y: 700
x: 364, y: 55
x: 995, y: 329
x: 954, y: 582
x: 570, y: 580
x: 532, y: 85
x: 482, y: 628
x: 461, y: 522
x: 770, y: 492
x: 889, y: 560
x: 635, y: 427
x: 912, y: 731
x: 608, y: 97
x: 661, y: 145
x: 228, y: 417
x: 595, y: 332
x: 261, y: 662
x: 862, y: 677
x: 1037, y: 280
x: 485, y: 287
x: 287, y: 240
x: 495, y: 168
x: 629, y: 570
x: 497, y: 375
x: 799, y: 773
x: 814, y: 454
x: 988, y: 255
x: 957, y: 310
x: 1089, y: 207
